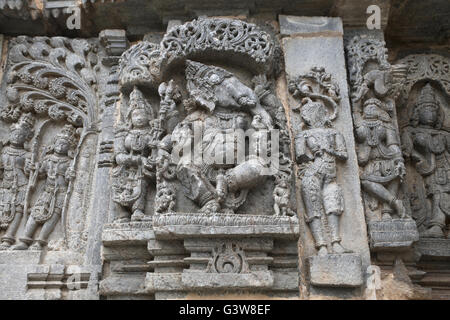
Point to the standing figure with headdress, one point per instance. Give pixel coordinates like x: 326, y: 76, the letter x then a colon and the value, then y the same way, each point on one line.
x: 380, y: 157
x: 56, y: 167
x: 427, y: 144
x: 317, y: 148
x: 132, y: 148
x: 14, y: 165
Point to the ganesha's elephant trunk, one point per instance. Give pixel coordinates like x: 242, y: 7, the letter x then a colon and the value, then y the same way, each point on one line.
x: 246, y: 175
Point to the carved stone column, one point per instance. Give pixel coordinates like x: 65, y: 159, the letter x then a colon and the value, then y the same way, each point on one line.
x: 327, y: 168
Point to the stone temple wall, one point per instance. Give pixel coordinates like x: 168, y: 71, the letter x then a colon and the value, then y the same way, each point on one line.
x: 276, y: 151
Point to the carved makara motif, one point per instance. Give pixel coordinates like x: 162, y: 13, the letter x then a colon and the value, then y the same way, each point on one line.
x: 317, y: 149
x: 140, y: 63
x: 426, y: 143
x: 375, y: 85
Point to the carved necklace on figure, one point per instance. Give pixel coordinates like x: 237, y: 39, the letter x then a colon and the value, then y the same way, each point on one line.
x: 374, y: 131
x: 136, y: 140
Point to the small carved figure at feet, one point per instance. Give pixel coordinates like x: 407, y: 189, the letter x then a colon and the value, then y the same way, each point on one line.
x: 281, y: 198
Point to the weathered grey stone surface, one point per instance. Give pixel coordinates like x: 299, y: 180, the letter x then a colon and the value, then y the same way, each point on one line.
x: 126, y: 257
x: 434, y: 248
x: 230, y: 252
x: 326, y: 51
x: 98, y: 198
x: 336, y: 270
x: 291, y: 25
x: 204, y: 281
x: 382, y: 166
x: 392, y: 235
x: 172, y: 226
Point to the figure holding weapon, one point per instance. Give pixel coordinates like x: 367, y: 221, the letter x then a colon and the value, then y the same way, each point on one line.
x: 57, y: 167
x: 13, y: 166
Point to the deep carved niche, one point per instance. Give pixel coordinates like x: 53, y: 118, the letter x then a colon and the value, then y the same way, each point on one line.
x: 376, y: 85
x: 50, y: 106
x: 425, y: 126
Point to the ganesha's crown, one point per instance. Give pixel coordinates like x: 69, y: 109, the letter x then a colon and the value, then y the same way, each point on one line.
x: 200, y: 73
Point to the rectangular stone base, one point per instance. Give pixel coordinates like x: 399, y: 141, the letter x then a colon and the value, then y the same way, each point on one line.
x: 20, y: 257
x: 397, y: 234
x: 434, y: 248
x: 189, y: 282
x: 336, y: 270
x: 252, y: 280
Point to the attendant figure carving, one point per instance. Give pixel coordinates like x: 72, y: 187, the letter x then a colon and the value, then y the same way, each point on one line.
x: 317, y: 148
x: 380, y: 158
x: 132, y: 149
x: 57, y: 169
x: 15, y: 169
x: 427, y: 143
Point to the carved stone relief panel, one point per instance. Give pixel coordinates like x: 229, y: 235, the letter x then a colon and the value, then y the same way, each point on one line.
x: 425, y: 139
x: 50, y: 112
x: 376, y: 85
x: 326, y: 166
x: 201, y: 147
x: 51, y: 105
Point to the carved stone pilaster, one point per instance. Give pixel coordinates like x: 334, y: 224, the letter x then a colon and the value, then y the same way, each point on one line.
x: 114, y: 43
x: 319, y: 113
